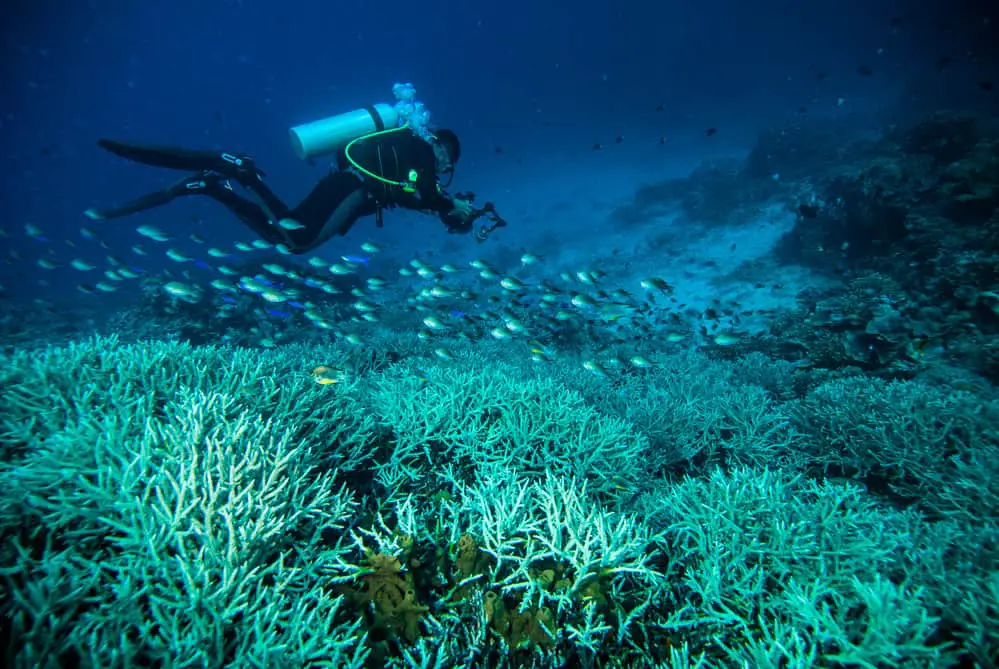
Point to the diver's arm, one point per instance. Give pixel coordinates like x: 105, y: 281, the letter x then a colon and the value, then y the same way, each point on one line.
x: 432, y: 196
x: 444, y: 208
x: 427, y: 197
x: 454, y: 213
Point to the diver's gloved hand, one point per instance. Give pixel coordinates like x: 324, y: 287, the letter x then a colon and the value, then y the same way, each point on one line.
x: 461, y: 210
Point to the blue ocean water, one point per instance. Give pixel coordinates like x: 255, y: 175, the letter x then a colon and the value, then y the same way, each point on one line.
x: 692, y: 361
x: 530, y: 88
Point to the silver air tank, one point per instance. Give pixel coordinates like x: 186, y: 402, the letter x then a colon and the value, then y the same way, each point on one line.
x: 329, y: 135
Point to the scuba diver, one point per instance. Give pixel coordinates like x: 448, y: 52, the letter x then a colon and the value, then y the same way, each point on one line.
x: 378, y: 169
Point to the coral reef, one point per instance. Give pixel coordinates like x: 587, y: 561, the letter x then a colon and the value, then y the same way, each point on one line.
x: 163, y: 500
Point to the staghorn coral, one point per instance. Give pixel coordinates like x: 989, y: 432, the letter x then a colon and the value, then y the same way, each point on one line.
x: 929, y: 444
x: 161, y: 500
x: 468, y: 416
x: 175, y: 522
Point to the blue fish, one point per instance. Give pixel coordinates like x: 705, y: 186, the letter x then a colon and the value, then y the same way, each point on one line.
x: 229, y: 300
x: 297, y: 305
x: 260, y: 278
x: 360, y: 260
x: 203, y: 265
x: 277, y: 314
x: 458, y: 314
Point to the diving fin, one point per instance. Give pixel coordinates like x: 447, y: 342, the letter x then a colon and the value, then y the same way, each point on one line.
x: 206, y: 182
x: 235, y: 166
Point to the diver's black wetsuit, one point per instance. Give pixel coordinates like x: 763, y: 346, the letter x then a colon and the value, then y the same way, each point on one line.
x: 331, y: 208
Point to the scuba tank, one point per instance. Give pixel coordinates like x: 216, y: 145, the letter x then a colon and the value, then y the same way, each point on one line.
x: 329, y: 135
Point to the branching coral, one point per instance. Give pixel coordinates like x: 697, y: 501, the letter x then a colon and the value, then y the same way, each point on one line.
x: 469, y: 417
x: 162, y: 501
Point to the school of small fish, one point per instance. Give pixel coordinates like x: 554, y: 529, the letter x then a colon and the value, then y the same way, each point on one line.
x: 522, y: 304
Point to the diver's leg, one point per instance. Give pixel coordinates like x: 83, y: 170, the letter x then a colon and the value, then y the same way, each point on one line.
x: 236, y: 166
x: 214, y: 186
x: 271, y: 202
x: 331, y: 208
x: 251, y: 214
